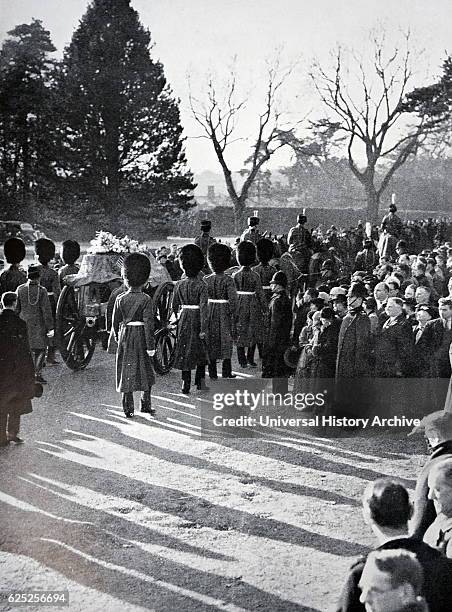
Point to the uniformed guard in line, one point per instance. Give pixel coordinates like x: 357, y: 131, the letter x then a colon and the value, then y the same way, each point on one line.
x: 252, y: 233
x: 133, y: 329
x: 222, y: 307
x: 45, y: 250
x: 190, y: 300
x: 204, y: 240
x: 10, y: 279
x: 251, y: 304
x: 299, y: 240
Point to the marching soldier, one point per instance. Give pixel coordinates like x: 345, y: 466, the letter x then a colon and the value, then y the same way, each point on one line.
x: 70, y: 252
x: 45, y: 250
x: 10, y: 279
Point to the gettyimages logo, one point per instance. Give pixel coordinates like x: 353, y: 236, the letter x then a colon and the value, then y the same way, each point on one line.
x: 266, y: 399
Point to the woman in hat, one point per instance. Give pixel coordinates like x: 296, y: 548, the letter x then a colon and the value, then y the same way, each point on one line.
x: 133, y: 328
x: 251, y: 304
x: 45, y: 251
x: 33, y: 307
x: 222, y: 307
x: 190, y: 300
x: 10, y: 279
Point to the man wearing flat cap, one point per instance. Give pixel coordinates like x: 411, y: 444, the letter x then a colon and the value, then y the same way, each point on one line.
x: 252, y: 233
x: 299, y: 240
x: 204, y: 240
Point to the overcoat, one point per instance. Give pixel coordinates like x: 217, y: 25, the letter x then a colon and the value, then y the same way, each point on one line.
x: 134, y: 367
x: 251, y: 307
x: 190, y: 350
x: 394, y: 349
x: 17, y: 374
x: 354, y: 346
x: 11, y: 278
x: 221, y: 315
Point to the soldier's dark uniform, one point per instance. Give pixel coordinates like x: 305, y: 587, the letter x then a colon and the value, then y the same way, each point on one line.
x: 10, y: 279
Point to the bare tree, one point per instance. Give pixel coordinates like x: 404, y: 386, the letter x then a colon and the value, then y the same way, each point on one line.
x: 218, y: 115
x: 369, y: 108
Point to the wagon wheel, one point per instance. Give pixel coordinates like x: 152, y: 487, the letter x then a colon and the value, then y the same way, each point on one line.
x: 165, y: 328
x: 75, y: 341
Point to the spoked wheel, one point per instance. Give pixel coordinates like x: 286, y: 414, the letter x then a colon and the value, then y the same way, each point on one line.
x: 75, y: 340
x: 165, y: 328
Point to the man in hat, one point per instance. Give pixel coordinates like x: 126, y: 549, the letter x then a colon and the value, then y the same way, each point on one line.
x: 394, y: 344
x: 252, y: 233
x: 10, y: 279
x: 339, y: 302
x: 367, y: 258
x: 299, y: 240
x: 437, y: 430
x: 280, y: 324
x: 204, y: 240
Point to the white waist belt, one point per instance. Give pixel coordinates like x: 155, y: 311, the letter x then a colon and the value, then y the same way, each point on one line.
x: 135, y: 324
x: 246, y: 293
x: 266, y: 287
x: 190, y: 307
x: 212, y: 301
x: 50, y: 293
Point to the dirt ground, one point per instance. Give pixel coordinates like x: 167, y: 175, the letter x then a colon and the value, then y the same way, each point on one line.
x: 144, y: 514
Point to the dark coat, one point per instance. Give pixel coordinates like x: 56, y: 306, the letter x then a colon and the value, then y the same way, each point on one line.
x: 221, y: 316
x: 134, y: 367
x: 17, y: 375
x: 366, y: 259
x: 251, y: 308
x: 280, y: 323
x: 425, y: 513
x: 438, y: 341
x: 326, y: 350
x: 437, y: 577
x: 11, y: 278
x: 354, y: 346
x: 394, y: 349
x: 421, y: 355
x: 190, y: 351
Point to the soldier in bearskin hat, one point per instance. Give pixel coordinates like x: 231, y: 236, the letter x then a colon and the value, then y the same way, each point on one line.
x: 190, y: 300
x: 251, y: 304
x: 33, y: 307
x: 10, y: 279
x: 45, y: 251
x: 299, y: 240
x: 222, y: 307
x: 252, y: 233
x: 133, y: 329
x: 204, y: 240
x: 70, y: 252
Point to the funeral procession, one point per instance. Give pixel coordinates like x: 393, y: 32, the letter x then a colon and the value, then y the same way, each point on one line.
x: 226, y: 306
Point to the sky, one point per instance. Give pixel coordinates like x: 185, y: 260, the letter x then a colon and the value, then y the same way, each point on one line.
x: 197, y: 37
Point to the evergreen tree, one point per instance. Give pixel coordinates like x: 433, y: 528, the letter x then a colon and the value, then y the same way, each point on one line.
x: 26, y: 123
x: 121, y: 134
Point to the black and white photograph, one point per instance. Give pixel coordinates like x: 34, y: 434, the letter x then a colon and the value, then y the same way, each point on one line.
x: 226, y: 305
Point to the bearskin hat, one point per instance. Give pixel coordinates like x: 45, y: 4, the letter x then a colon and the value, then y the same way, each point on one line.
x: 246, y: 253
x: 191, y: 259
x: 219, y: 257
x: 136, y: 269
x: 70, y: 251
x: 45, y: 249
x: 264, y: 250
x: 206, y: 225
x: 14, y: 250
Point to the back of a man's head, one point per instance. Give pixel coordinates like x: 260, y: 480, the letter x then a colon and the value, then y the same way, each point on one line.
x: 387, y: 503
